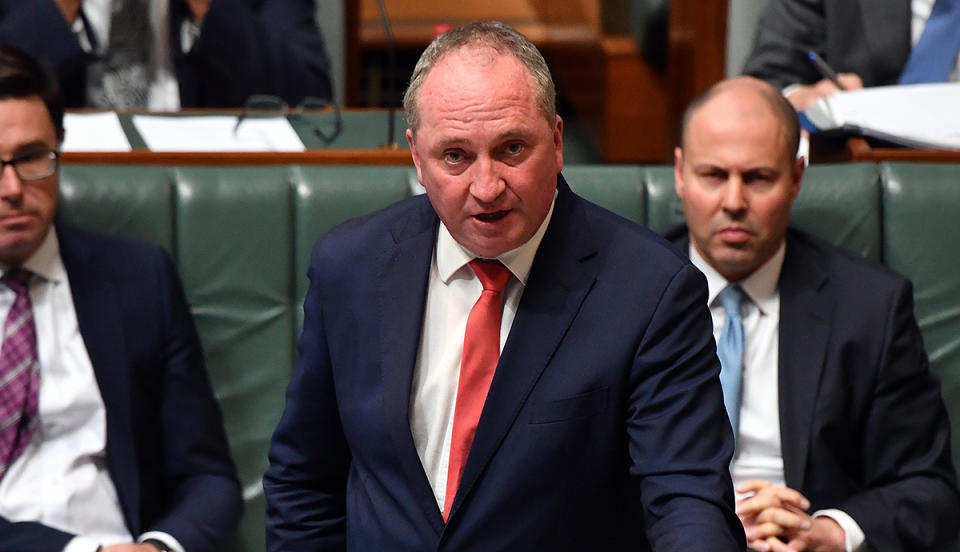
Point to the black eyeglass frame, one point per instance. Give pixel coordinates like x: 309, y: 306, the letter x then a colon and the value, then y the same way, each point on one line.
x: 271, y: 104
x: 52, y: 155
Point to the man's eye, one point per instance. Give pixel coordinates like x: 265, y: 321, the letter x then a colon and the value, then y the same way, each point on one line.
x: 514, y: 148
x: 453, y: 156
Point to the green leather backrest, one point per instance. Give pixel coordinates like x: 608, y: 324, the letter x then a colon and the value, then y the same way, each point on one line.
x: 840, y: 203
x: 241, y: 237
x: 921, y: 214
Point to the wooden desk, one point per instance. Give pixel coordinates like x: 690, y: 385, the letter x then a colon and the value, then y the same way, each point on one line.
x: 857, y: 148
x: 360, y: 142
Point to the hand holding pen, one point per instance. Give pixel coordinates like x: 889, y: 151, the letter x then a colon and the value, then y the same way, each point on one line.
x: 804, y: 95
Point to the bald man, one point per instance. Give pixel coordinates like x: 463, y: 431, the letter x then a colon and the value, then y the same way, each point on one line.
x: 842, y: 439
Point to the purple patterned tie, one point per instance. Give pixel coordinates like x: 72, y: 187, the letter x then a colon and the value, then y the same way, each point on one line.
x: 19, y: 373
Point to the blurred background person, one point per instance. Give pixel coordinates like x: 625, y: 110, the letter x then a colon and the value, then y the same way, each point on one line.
x: 868, y: 42
x: 171, y: 54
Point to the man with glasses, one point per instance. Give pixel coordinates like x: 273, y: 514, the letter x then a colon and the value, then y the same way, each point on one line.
x: 110, y: 438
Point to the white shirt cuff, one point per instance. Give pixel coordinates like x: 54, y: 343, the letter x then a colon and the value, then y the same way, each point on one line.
x: 853, y: 534
x: 81, y: 544
x: 162, y: 537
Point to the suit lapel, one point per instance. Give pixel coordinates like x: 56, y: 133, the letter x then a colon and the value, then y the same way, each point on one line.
x: 805, y: 315
x: 559, y: 280
x: 101, y: 327
x: 402, y: 272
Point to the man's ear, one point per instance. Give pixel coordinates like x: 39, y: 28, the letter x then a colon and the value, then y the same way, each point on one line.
x: 414, y: 154
x: 678, y: 170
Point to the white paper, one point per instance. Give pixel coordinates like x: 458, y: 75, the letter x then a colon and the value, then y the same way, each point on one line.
x: 919, y: 114
x: 216, y: 133
x: 93, y: 132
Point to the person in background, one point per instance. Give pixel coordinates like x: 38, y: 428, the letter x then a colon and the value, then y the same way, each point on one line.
x: 110, y: 437
x: 869, y: 43
x: 499, y: 364
x: 842, y: 438
x: 172, y: 54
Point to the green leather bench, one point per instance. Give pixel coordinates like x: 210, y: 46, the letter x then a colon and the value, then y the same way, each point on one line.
x: 241, y: 237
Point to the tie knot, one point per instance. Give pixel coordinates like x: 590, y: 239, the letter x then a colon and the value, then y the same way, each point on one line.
x: 16, y: 279
x: 730, y: 298
x: 492, y: 274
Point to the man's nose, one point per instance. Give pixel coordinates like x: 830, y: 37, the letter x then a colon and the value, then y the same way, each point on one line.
x: 10, y: 183
x: 734, y: 196
x: 487, y: 182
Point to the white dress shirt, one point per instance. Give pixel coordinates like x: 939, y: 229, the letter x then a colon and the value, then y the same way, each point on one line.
x: 758, y: 453
x: 61, y: 479
x: 452, y: 291
x: 163, y: 93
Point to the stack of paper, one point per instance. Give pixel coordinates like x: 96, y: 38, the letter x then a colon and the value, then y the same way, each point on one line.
x: 217, y: 133
x: 925, y: 116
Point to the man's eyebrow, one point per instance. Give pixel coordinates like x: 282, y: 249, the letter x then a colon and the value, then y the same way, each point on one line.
x: 31, y: 146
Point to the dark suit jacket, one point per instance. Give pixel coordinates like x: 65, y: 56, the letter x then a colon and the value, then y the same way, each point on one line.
x: 863, y: 427
x: 867, y: 37
x: 245, y: 47
x: 603, y: 428
x: 166, y: 450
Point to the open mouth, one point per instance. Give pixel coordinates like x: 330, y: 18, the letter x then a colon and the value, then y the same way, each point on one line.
x: 492, y: 216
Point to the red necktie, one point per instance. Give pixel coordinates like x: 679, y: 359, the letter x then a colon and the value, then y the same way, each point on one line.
x: 481, y: 352
x: 19, y: 376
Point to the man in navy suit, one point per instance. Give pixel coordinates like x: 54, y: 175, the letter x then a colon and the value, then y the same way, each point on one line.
x: 119, y: 444
x: 602, y: 426
x: 843, y: 441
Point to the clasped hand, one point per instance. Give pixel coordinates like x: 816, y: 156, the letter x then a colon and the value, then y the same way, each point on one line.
x: 775, y: 519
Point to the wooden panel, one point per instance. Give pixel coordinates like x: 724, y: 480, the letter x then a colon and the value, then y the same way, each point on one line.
x: 543, y: 21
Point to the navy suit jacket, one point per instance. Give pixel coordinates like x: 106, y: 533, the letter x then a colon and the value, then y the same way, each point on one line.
x: 867, y: 37
x: 603, y: 428
x: 245, y: 47
x: 166, y: 449
x: 863, y: 427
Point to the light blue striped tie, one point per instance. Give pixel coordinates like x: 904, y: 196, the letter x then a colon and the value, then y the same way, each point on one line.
x: 730, y: 351
x: 936, y: 51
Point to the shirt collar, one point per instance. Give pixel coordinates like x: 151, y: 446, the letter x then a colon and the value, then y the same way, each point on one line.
x: 451, y: 256
x: 760, y: 286
x: 45, y: 261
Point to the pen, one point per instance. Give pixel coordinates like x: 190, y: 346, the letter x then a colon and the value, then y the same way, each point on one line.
x: 825, y: 70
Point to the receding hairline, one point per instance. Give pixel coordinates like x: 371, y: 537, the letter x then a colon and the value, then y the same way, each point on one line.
x: 498, y: 37
x: 777, y: 105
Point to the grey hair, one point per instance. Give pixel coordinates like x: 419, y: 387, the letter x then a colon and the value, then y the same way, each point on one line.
x: 493, y: 34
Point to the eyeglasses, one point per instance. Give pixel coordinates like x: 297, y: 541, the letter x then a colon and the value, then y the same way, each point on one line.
x: 33, y: 166
x: 260, y: 104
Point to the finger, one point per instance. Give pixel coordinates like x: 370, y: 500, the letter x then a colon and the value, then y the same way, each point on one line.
x: 753, y: 486
x: 850, y: 81
x: 785, y: 518
x: 825, y: 88
x: 764, y: 530
x: 797, y: 544
x: 776, y: 545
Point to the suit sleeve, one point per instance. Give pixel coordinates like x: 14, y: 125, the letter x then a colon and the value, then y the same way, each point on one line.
x: 275, y: 48
x: 305, y: 485
x: 787, y: 30
x: 38, y: 27
x: 30, y: 536
x: 680, y: 439
x: 911, y: 501
x: 203, y: 499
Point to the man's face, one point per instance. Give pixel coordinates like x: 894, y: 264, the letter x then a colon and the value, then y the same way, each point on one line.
x: 486, y: 155
x: 26, y: 207
x: 737, y: 181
